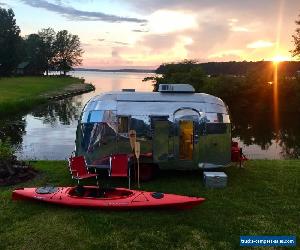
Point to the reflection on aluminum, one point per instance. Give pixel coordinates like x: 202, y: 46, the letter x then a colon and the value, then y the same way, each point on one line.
x: 157, y: 128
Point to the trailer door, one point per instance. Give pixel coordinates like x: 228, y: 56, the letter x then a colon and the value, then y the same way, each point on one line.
x: 186, y: 139
x: 186, y: 122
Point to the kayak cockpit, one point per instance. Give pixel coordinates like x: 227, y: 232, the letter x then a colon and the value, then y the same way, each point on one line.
x: 95, y: 192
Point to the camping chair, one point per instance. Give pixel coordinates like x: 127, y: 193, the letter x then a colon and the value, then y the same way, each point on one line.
x: 119, y: 166
x: 79, y: 170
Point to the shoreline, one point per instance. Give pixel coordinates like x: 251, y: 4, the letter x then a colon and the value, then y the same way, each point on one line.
x: 72, y: 90
x: 46, y: 88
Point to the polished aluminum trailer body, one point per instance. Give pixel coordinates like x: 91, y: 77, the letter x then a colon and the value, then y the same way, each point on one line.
x: 177, y: 128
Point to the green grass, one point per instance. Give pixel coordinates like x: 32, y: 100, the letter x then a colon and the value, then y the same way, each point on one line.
x: 22, y: 93
x: 262, y: 199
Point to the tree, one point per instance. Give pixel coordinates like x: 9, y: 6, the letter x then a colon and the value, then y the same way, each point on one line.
x: 34, y: 47
x: 48, y: 38
x: 187, y: 71
x: 10, y: 42
x: 68, y: 51
x: 296, y: 37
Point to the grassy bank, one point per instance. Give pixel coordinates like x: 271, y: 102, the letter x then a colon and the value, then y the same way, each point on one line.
x: 262, y: 199
x: 22, y: 93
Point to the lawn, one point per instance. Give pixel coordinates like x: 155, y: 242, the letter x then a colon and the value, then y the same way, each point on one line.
x: 262, y: 199
x: 24, y: 92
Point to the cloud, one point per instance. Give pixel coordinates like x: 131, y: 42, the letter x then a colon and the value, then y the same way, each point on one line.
x: 166, y: 21
x: 239, y: 29
x: 232, y: 22
x: 85, y: 44
x: 139, y: 31
x: 79, y: 15
x: 264, y: 12
x: 207, y: 38
x: 260, y: 44
x: 197, y: 42
x: 250, y: 7
x: 111, y: 42
x: 226, y: 53
x: 120, y: 43
x: 115, y: 53
x: 3, y: 4
x: 159, y: 42
x: 117, y: 59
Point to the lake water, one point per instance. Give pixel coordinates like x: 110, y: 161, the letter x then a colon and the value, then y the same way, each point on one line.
x: 48, y: 132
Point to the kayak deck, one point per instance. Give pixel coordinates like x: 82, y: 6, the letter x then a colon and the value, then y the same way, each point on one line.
x: 114, y: 198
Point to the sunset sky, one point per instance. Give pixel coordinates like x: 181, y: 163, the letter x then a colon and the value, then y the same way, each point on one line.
x: 140, y: 33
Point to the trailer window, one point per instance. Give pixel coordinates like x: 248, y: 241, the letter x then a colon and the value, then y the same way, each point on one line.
x: 123, y: 122
x: 93, y: 116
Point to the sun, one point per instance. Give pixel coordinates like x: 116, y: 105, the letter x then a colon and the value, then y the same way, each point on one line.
x: 280, y: 58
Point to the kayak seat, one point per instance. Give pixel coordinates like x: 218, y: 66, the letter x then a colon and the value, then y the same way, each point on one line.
x: 96, y: 193
x: 119, y: 166
x: 78, y: 169
x: 79, y: 190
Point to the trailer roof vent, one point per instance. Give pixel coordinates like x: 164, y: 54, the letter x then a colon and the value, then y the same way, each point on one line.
x: 176, y: 88
x: 128, y: 90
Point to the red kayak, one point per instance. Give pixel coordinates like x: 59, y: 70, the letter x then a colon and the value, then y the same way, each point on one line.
x: 115, y: 198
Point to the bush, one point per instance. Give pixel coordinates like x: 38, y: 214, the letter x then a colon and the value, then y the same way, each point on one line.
x: 7, y: 152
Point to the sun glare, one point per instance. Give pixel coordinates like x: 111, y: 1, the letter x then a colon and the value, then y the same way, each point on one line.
x: 280, y: 58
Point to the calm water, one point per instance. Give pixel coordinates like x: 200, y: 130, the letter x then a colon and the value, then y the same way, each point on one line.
x: 48, y: 132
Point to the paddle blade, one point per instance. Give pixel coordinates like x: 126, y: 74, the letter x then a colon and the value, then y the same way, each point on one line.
x: 137, y: 150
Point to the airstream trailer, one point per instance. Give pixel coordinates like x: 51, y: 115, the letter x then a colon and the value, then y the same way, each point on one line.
x: 176, y: 127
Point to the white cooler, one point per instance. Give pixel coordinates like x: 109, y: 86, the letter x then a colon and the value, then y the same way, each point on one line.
x: 214, y: 179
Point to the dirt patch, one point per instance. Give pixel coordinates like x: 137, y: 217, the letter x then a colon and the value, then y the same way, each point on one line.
x: 17, y: 174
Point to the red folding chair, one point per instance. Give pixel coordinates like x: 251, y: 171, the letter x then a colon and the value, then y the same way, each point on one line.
x: 78, y: 169
x: 119, y: 166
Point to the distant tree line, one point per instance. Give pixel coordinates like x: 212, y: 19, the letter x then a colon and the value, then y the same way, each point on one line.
x: 244, y: 89
x: 253, y: 89
x: 233, y: 68
x: 44, y: 51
